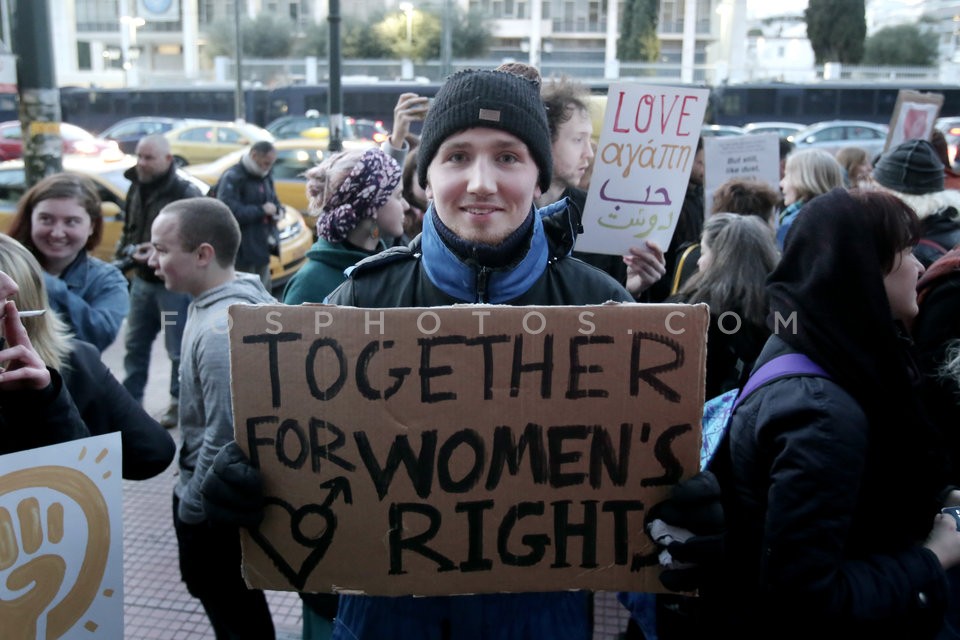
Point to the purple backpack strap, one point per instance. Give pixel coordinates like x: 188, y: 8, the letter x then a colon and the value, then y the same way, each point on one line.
x: 789, y: 364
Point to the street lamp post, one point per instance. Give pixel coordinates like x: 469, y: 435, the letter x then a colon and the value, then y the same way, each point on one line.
x: 406, y: 66
x: 407, y: 9
x: 130, y: 49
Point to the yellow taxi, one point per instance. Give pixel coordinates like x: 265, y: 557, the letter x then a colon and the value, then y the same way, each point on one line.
x: 294, y: 157
x: 202, y: 141
x: 295, y: 237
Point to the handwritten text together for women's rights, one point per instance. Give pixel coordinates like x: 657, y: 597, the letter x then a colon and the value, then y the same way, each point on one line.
x: 440, y: 455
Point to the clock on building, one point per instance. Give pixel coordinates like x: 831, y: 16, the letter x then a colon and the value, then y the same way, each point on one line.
x: 158, y: 9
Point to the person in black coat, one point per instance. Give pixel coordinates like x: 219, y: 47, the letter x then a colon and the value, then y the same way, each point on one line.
x: 35, y: 408
x: 935, y: 332
x: 248, y: 189
x: 832, y: 485
x: 103, y: 404
x: 737, y: 254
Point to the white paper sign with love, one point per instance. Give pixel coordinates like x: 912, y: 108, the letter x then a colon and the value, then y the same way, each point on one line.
x: 646, y: 151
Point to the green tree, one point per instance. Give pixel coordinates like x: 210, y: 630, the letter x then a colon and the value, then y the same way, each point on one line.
x: 638, y: 31
x: 471, y: 36
x: 385, y: 36
x: 836, y: 29
x: 902, y: 45
x: 359, y: 39
x: 315, y: 41
x: 266, y: 36
x: 424, y: 34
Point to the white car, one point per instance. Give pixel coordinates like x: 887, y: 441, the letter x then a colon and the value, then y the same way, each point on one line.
x: 782, y: 129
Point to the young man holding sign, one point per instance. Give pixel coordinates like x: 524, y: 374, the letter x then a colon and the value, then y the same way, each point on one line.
x: 485, y: 156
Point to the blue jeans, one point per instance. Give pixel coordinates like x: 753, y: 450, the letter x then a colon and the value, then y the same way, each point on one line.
x: 153, y: 308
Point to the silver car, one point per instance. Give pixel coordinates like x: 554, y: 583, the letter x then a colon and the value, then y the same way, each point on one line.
x: 834, y: 135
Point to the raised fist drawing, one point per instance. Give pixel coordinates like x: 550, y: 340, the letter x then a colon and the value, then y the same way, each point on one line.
x: 38, y: 603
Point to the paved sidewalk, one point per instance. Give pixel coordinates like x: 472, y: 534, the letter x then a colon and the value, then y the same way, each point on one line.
x: 156, y: 604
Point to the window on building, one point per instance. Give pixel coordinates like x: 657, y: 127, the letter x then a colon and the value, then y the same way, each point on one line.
x: 704, y: 12
x: 97, y: 15
x: 508, y: 9
x: 594, y: 12
x: 84, y: 62
x: 206, y: 13
x: 671, y: 17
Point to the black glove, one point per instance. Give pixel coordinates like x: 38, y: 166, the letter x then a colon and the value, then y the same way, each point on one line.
x: 233, y: 489
x: 689, y: 527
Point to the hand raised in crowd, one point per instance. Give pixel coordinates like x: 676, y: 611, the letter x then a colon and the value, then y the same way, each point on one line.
x: 20, y: 365
x: 142, y: 253
x: 410, y: 108
x: 944, y: 540
x: 645, y: 266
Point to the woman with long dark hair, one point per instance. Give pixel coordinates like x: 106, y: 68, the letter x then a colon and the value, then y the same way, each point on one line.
x: 832, y: 483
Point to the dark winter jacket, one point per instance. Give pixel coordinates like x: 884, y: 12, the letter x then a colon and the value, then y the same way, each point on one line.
x: 106, y: 406
x: 427, y: 274
x: 831, y: 485
x: 323, y: 272
x: 941, y: 231
x: 935, y: 330
x: 811, y: 548
x: 731, y: 353
x: 246, y: 193
x: 31, y: 419
x: 144, y: 202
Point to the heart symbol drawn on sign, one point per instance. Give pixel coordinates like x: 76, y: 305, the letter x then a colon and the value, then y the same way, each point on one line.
x: 337, y: 486
x: 319, y: 543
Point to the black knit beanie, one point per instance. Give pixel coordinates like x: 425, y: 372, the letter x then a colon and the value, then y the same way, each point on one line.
x: 911, y: 167
x: 494, y: 99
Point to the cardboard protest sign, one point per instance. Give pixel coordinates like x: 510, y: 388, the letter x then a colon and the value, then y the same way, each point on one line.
x: 914, y: 115
x: 747, y: 157
x: 61, y: 541
x: 647, y: 147
x: 464, y: 449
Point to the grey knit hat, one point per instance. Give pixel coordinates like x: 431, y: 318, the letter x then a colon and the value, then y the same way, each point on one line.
x: 494, y: 99
x: 911, y: 167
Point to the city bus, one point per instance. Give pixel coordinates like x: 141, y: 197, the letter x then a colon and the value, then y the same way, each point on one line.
x: 370, y: 100
x: 808, y: 103
x: 95, y: 109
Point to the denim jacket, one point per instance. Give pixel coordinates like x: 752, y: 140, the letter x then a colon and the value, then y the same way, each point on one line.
x: 91, y: 296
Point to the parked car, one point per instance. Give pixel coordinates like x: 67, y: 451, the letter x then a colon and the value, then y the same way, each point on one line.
x: 369, y: 130
x: 295, y: 237
x: 834, y: 135
x: 127, y: 132
x: 206, y: 140
x: 950, y: 127
x: 782, y: 129
x: 76, y: 141
x: 307, y: 126
x: 710, y: 130
x: 294, y: 157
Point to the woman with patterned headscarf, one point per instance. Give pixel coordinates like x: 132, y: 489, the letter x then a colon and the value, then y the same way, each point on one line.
x: 357, y: 195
